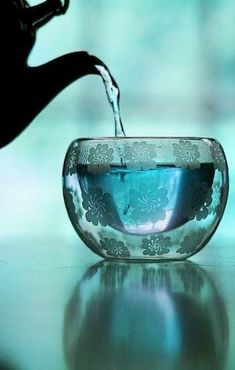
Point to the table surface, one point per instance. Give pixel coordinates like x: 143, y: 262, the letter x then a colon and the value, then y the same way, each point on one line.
x: 62, y: 307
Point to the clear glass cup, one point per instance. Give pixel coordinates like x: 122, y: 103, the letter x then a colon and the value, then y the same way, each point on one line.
x: 145, y: 197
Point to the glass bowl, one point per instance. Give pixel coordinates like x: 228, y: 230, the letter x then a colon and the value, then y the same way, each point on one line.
x: 145, y: 197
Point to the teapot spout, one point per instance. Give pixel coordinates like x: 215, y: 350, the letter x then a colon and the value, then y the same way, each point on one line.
x: 33, y: 88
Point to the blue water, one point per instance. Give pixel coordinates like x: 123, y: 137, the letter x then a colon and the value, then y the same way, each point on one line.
x: 146, y: 201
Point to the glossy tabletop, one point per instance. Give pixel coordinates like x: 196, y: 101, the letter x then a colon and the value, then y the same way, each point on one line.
x: 63, y: 308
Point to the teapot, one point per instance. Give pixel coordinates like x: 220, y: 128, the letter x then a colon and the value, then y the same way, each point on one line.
x: 27, y: 90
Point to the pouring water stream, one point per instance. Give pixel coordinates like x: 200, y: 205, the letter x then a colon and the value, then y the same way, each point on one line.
x: 113, y: 94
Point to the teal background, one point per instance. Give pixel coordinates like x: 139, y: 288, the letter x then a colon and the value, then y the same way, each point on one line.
x: 175, y: 64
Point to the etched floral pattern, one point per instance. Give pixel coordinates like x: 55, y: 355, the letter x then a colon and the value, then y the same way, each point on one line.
x: 99, y: 158
x: 187, y: 154
x: 71, y: 160
x: 140, y: 155
x: 148, y: 203
x: 115, y: 248
x: 68, y: 199
x: 197, y: 201
x: 218, y: 156
x: 156, y: 244
x: 191, y: 242
x: 216, y: 204
x: 98, y: 206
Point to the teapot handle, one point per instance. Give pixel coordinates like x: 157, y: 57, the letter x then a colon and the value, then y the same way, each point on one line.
x: 40, y: 14
x: 62, y: 8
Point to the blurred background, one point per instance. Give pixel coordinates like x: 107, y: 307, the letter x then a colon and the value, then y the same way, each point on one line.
x: 175, y: 65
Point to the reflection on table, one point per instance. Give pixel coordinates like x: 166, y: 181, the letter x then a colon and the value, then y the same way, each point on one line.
x: 145, y: 316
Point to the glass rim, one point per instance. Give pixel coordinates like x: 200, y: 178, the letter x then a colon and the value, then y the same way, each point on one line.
x: 114, y: 138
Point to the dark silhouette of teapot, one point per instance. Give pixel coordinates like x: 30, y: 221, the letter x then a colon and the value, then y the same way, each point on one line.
x: 27, y: 90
